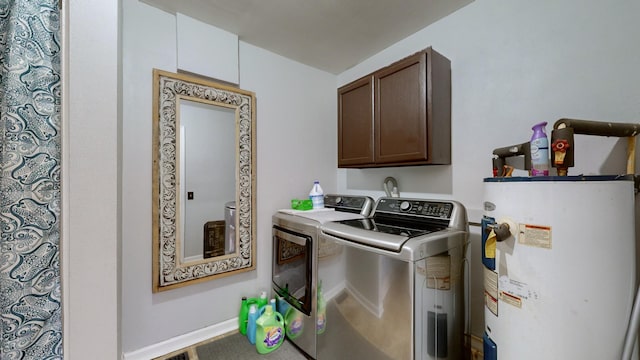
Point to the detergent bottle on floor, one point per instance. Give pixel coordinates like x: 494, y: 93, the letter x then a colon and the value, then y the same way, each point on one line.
x: 243, y: 316
x: 263, y: 299
x: 269, y: 331
x: 251, y: 323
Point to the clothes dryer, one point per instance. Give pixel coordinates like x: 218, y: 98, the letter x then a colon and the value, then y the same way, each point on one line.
x: 296, y: 250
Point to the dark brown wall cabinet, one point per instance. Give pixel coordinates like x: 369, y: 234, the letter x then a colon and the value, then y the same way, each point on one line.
x: 398, y: 115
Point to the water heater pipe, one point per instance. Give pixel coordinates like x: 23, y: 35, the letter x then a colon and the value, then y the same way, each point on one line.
x: 562, y: 140
x: 500, y: 155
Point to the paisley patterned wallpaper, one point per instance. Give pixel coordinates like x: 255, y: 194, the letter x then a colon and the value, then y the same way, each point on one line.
x: 30, y: 102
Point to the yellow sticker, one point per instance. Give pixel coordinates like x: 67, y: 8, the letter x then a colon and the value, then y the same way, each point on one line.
x: 490, y: 246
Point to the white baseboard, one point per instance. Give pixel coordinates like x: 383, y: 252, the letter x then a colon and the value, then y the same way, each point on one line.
x: 182, y: 341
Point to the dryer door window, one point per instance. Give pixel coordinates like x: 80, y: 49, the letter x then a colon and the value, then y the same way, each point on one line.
x: 292, y: 267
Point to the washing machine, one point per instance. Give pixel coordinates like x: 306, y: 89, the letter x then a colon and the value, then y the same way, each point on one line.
x: 393, y: 285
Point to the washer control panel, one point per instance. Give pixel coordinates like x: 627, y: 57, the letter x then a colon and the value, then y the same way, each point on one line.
x: 416, y: 207
x: 356, y: 204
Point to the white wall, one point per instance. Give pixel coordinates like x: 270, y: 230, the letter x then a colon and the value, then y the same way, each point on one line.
x: 296, y: 143
x: 514, y: 64
x: 90, y: 244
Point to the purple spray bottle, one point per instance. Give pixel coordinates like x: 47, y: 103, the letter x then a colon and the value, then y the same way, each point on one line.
x: 539, y: 151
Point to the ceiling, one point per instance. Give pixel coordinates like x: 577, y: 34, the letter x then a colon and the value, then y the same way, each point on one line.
x: 331, y: 35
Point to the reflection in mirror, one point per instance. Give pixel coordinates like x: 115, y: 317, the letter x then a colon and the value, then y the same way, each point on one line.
x: 203, y: 180
x: 207, y: 155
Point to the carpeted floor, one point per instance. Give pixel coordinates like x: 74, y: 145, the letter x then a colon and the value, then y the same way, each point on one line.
x: 233, y: 346
x: 237, y: 346
x: 345, y: 344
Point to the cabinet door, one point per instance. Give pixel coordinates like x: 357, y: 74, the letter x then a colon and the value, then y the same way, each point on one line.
x: 401, y: 112
x: 355, y: 124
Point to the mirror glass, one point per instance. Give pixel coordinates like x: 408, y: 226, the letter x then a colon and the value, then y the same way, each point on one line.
x: 203, y: 180
x: 207, y: 155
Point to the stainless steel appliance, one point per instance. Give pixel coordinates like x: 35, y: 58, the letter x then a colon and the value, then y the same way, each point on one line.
x: 393, y: 287
x: 296, y: 250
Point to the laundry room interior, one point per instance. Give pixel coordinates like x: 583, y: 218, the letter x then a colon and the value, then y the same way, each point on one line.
x: 490, y: 71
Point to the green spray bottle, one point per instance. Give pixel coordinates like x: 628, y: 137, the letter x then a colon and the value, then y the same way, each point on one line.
x: 269, y: 331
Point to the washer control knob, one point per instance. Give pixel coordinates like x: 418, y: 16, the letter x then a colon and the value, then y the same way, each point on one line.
x: 405, y: 205
x: 338, y: 200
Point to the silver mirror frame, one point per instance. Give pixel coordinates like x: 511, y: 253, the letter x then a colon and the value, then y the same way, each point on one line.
x: 168, y: 270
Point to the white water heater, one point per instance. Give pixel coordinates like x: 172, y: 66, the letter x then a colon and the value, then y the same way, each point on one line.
x: 559, y: 262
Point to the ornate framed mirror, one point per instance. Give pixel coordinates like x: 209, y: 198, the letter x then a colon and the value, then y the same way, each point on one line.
x: 204, y: 180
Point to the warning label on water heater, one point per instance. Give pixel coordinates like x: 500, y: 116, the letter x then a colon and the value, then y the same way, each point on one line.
x: 510, y: 299
x: 491, y: 290
x: 535, y: 235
